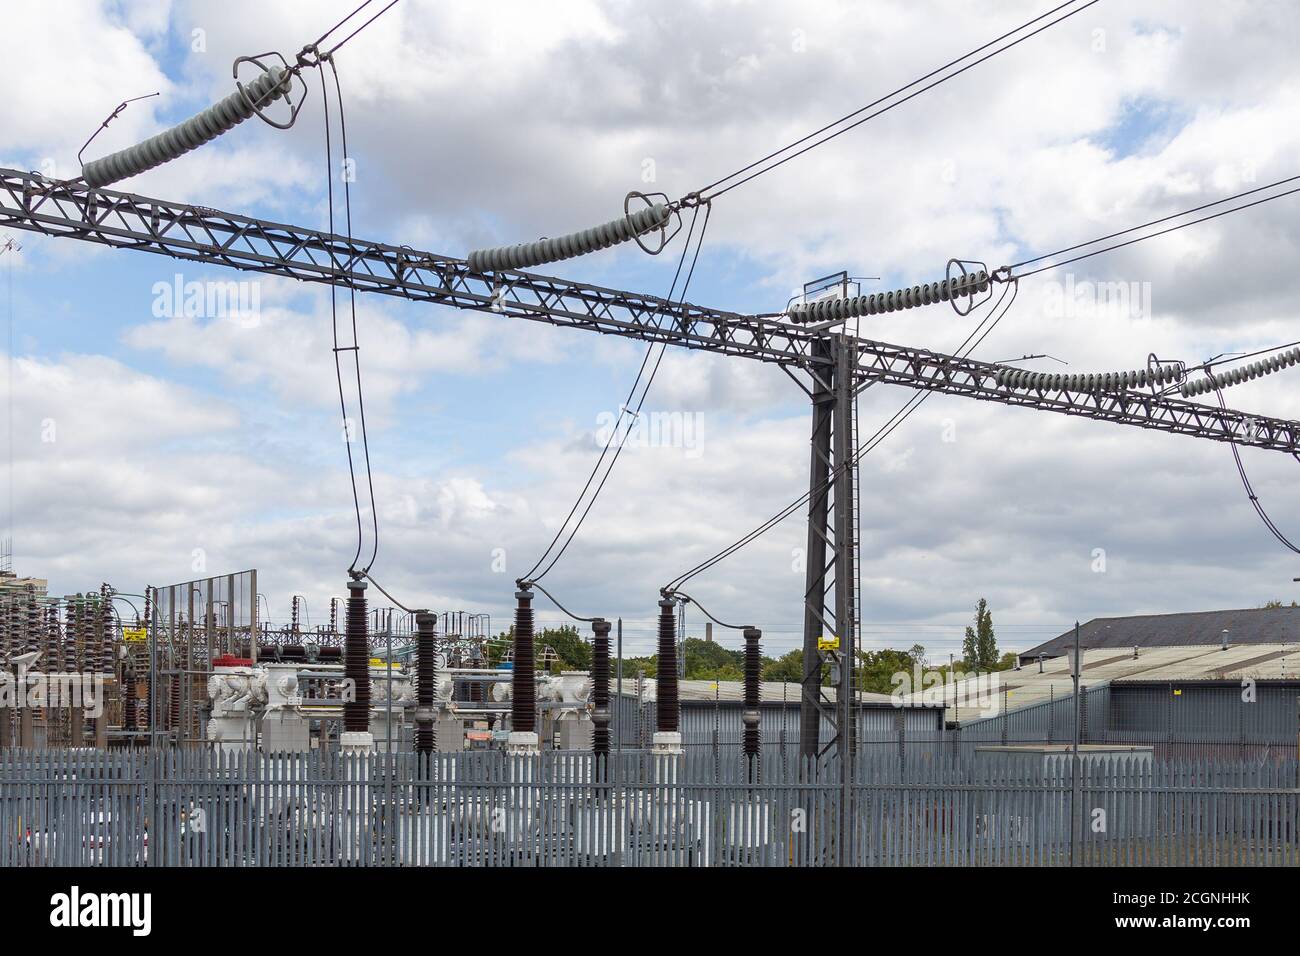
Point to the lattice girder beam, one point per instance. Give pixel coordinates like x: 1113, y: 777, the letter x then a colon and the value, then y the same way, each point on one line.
x: 933, y: 371
x: 32, y: 202
x: 199, y: 233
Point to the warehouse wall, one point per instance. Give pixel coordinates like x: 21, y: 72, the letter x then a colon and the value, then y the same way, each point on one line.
x: 701, y: 719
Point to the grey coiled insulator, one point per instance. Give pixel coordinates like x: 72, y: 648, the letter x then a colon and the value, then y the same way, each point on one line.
x: 1018, y: 378
x: 220, y: 117
x: 574, y: 244
x: 945, y: 290
x: 1243, y: 373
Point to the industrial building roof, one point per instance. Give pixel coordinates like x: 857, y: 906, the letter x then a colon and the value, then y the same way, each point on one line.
x: 1247, y: 626
x: 1015, y: 689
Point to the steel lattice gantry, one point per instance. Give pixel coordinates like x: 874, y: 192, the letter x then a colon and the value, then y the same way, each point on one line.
x: 198, y: 233
x: 838, y: 365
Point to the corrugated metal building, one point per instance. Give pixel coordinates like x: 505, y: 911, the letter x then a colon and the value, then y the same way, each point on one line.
x: 1274, y: 625
x: 1242, y: 701
x: 711, y: 711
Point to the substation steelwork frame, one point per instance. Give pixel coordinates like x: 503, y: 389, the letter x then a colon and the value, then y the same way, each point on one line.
x: 838, y: 365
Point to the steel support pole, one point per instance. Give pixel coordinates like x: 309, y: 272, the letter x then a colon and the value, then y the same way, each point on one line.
x: 1076, y: 798
x: 252, y: 618
x: 823, y: 404
x: 845, y: 626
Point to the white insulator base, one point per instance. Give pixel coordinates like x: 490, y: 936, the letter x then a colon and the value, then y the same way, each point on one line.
x: 667, y: 742
x: 354, y: 742
x: 521, y: 742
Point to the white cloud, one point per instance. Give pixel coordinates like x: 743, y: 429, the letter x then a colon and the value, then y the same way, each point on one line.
x: 285, y: 344
x: 473, y: 124
x: 70, y: 64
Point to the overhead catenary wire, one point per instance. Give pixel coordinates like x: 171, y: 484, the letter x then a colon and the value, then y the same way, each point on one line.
x: 352, y: 302
x: 972, y: 341
x: 655, y: 217
x: 396, y: 603
x: 640, y: 402
x: 1009, y: 272
x: 623, y: 408
x: 336, y: 47
x: 533, y: 575
x: 320, y: 40
x: 1250, y: 492
x: 354, y: 347
x: 565, y: 610
x: 1241, y: 356
x: 767, y: 164
x: 703, y: 610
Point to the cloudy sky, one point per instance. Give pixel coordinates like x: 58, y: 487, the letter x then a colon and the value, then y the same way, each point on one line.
x: 145, y: 439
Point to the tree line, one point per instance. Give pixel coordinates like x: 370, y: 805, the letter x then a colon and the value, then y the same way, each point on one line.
x: 709, y: 660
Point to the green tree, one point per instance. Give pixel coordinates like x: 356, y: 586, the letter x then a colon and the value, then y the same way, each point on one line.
x: 980, y: 647
x: 572, y: 649
x: 649, y: 667
x: 787, y: 667
x: 706, y: 660
x: 569, y: 645
x: 876, y: 669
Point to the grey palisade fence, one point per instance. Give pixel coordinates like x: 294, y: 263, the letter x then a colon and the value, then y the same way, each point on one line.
x: 199, y: 808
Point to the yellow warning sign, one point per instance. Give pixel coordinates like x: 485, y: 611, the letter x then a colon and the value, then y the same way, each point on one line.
x: 831, y: 643
x: 135, y: 635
